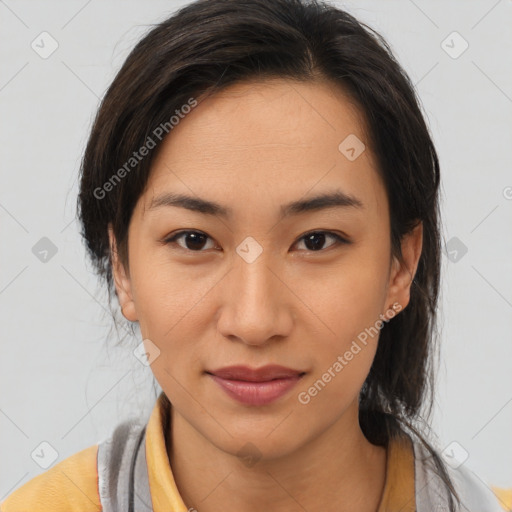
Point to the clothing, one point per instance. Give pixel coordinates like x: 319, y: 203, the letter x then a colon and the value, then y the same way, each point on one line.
x: 130, y: 472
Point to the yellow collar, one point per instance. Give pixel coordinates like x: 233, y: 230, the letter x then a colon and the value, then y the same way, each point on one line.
x: 399, y: 490
x: 164, y: 493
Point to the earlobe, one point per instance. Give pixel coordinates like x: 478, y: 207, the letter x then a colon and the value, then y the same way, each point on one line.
x: 403, y: 274
x: 121, y: 281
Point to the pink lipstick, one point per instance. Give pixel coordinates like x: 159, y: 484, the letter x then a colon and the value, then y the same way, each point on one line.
x: 258, y: 386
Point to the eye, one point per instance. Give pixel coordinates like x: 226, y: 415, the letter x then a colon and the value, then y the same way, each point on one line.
x: 195, y: 240
x: 316, y: 239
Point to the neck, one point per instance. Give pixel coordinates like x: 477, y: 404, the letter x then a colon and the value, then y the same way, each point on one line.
x: 339, y: 470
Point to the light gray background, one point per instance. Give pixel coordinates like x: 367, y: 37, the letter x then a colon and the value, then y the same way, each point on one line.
x: 62, y: 383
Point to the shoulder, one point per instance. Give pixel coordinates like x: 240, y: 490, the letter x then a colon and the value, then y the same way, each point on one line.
x: 474, y: 493
x: 87, y: 481
x: 70, y: 486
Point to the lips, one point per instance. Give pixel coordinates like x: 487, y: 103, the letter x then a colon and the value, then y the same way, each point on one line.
x: 256, y: 386
x: 263, y: 374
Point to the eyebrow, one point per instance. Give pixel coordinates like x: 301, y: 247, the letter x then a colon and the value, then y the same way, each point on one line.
x: 335, y: 199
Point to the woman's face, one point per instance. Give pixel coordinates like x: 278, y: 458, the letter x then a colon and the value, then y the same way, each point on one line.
x: 256, y: 286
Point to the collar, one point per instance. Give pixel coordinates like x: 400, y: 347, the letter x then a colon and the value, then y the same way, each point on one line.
x: 399, y: 486
x: 398, y: 491
x: 164, y: 492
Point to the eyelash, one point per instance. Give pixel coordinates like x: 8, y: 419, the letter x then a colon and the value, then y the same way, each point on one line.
x: 339, y: 239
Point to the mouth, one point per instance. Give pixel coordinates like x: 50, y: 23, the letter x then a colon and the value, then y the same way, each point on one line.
x: 256, y: 386
x: 263, y: 374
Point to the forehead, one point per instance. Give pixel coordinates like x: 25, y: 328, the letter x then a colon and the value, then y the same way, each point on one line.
x: 277, y: 139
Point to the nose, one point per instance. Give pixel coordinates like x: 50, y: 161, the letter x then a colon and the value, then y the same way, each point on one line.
x: 257, y: 304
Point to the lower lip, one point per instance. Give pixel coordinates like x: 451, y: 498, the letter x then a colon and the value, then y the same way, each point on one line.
x: 256, y: 393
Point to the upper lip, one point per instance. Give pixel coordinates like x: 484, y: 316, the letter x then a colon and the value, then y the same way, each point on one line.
x: 262, y: 374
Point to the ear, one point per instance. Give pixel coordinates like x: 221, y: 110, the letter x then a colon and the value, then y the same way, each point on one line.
x: 122, y: 281
x: 401, y: 276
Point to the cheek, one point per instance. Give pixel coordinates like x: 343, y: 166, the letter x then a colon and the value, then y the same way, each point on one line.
x: 347, y: 304
x: 348, y: 297
x: 170, y: 303
x: 343, y: 358
x: 164, y: 292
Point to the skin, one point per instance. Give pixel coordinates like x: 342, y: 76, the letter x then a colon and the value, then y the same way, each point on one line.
x: 254, y: 147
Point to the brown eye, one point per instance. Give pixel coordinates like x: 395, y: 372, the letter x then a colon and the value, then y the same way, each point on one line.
x: 315, y: 240
x: 193, y: 240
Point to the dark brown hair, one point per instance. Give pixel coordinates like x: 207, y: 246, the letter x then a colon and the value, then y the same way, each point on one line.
x: 210, y: 44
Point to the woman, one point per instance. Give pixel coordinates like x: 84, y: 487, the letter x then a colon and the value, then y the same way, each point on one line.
x: 260, y: 190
